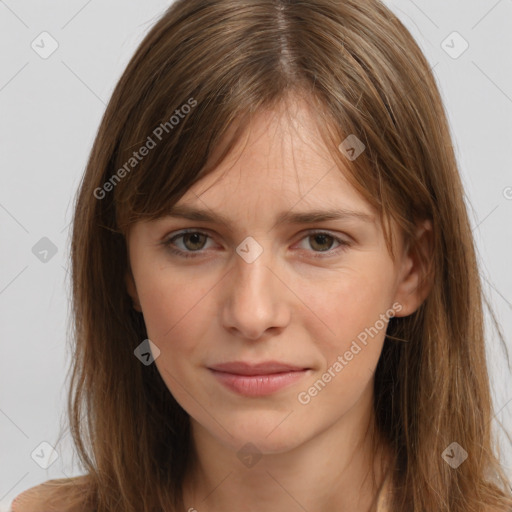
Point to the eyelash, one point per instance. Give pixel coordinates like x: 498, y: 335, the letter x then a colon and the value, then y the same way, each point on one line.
x: 194, y: 254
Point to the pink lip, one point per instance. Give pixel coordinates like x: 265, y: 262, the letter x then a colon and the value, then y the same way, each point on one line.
x: 257, y: 379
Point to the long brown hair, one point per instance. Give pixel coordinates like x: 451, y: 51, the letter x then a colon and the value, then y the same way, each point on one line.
x: 187, y: 96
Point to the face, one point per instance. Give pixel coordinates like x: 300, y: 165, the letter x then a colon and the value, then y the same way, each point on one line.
x: 313, y: 298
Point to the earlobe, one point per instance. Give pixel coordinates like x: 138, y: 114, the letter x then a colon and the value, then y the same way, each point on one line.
x: 132, y: 290
x: 416, y: 280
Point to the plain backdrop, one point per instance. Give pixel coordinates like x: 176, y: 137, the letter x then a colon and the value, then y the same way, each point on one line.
x: 50, y: 110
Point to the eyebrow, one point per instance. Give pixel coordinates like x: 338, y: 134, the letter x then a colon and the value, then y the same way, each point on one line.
x: 288, y: 217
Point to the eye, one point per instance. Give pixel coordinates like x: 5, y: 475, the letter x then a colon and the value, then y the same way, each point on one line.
x: 193, y: 243
x: 322, y: 242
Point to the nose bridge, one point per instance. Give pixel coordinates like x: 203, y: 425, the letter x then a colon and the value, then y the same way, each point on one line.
x: 254, y: 280
x: 255, y: 300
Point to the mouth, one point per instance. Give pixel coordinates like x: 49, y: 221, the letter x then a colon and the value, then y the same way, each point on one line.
x: 257, y: 379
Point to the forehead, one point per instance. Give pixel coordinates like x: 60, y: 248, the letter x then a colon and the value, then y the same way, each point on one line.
x: 281, y: 159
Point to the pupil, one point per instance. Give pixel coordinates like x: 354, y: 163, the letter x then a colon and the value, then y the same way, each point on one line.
x: 322, y: 239
x: 194, y: 238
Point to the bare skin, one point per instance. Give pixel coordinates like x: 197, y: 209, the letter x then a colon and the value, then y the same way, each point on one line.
x: 303, y: 301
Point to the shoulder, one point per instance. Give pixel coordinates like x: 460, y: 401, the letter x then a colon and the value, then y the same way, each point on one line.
x: 58, y: 495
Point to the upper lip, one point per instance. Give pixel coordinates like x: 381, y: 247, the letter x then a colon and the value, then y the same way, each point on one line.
x: 264, y: 368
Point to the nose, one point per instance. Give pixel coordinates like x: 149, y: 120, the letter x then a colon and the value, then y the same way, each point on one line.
x: 256, y: 298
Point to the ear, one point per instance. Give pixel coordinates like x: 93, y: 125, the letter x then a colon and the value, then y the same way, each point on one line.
x: 415, y: 279
x: 132, y: 290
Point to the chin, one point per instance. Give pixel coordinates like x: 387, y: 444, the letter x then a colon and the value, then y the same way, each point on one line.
x: 268, y: 433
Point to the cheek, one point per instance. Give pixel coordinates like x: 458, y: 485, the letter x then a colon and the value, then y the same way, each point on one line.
x: 174, y: 306
x: 176, y: 317
x: 347, y: 308
x: 353, y: 333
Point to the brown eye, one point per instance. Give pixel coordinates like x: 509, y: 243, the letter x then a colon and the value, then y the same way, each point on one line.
x: 321, y: 241
x: 194, y: 241
x: 190, y: 243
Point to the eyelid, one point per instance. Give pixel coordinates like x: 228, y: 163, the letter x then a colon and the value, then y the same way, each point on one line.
x: 343, y: 243
x: 212, y: 234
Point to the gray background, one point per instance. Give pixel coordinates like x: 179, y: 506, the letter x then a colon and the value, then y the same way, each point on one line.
x: 50, y: 110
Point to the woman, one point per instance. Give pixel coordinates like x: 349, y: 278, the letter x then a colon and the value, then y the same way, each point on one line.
x: 276, y: 299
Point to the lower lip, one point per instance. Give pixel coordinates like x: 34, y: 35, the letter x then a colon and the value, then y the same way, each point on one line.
x: 258, y: 385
